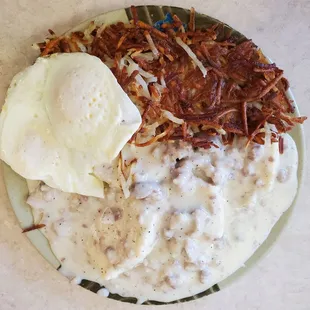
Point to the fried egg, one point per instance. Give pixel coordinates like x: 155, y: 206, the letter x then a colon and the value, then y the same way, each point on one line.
x: 62, y: 116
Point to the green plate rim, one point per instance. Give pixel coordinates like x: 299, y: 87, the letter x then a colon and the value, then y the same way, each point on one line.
x: 17, y: 188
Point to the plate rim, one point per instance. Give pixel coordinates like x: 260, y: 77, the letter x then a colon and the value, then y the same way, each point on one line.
x: 298, y: 134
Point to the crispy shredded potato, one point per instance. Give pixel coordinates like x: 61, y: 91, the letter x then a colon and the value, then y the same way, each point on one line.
x: 211, y: 87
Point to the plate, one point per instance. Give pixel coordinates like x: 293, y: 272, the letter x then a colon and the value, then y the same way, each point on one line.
x: 17, y: 186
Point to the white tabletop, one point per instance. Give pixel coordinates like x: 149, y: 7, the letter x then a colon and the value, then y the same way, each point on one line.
x: 281, y: 280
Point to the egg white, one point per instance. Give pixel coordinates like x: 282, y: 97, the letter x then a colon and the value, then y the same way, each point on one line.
x: 63, y: 116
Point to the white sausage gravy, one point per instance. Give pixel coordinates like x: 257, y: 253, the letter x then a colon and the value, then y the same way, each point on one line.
x: 174, y: 221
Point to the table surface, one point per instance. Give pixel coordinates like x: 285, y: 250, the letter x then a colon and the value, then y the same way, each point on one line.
x: 281, y: 280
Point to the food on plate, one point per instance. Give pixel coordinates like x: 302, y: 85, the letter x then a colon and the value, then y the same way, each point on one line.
x: 192, y: 217
x: 185, y: 193
x: 62, y: 116
x: 197, y: 83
